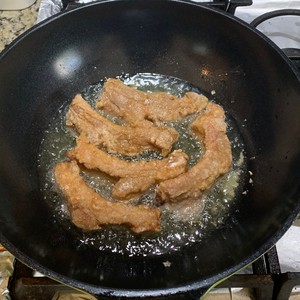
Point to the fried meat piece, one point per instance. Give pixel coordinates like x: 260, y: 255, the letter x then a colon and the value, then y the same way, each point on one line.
x: 90, y: 211
x: 134, y: 106
x: 128, y: 140
x: 211, y: 128
x: 128, y: 187
x: 136, y: 176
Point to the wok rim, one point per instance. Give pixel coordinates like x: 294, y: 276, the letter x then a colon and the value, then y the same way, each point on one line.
x: 61, y: 14
x: 203, y: 284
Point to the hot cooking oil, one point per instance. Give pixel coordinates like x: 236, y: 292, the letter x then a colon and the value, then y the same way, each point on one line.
x: 182, y: 224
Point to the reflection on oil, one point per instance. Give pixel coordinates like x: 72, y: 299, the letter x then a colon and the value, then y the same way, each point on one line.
x: 200, y: 49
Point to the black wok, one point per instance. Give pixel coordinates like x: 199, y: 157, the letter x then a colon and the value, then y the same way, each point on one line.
x: 252, y: 79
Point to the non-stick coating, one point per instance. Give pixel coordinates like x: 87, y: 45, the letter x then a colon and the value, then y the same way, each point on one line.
x: 251, y: 79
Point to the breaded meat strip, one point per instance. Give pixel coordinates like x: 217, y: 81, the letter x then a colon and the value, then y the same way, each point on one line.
x: 137, y: 176
x: 90, y: 211
x: 134, y: 106
x: 211, y: 128
x: 128, y: 187
x: 128, y: 140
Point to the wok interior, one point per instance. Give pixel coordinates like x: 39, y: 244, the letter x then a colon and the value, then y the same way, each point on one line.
x: 252, y: 81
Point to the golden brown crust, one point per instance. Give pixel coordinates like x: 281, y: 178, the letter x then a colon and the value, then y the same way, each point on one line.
x: 90, y: 211
x: 136, y: 176
x: 135, y: 106
x: 211, y: 127
x: 129, y: 140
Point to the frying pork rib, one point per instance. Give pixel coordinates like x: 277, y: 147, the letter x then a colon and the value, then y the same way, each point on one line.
x: 128, y: 140
x: 211, y: 128
x: 137, y: 176
x: 90, y: 211
x: 128, y: 187
x: 134, y: 106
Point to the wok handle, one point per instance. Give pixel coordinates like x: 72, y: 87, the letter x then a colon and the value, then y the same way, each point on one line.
x: 290, y: 52
x: 273, y: 14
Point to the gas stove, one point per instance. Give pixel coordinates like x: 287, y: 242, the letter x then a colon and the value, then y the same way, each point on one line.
x: 275, y: 275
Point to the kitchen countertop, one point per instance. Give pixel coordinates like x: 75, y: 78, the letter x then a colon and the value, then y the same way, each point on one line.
x: 15, y: 22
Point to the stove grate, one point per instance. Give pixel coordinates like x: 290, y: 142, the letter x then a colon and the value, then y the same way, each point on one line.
x: 267, y: 281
